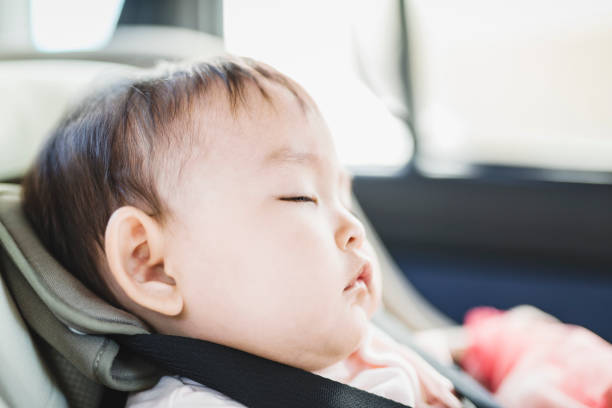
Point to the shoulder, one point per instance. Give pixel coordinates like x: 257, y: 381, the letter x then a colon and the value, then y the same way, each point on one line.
x: 180, y: 392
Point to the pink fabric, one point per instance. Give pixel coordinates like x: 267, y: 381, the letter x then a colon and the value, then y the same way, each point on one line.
x: 386, y: 368
x: 530, y: 360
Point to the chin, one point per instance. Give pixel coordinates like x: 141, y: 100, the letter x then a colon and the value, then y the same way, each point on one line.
x: 340, y: 344
x: 356, y: 333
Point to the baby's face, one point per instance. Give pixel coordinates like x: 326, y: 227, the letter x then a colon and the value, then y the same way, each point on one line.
x: 262, y: 243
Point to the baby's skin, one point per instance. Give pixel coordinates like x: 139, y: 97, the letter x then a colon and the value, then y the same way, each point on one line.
x: 261, y: 251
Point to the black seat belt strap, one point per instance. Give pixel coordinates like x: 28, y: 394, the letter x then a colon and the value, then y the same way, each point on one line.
x: 251, y: 380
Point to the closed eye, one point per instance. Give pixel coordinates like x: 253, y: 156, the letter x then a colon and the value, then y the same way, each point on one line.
x: 300, y: 199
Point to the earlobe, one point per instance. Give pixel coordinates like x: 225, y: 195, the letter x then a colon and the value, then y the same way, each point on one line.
x: 134, y: 247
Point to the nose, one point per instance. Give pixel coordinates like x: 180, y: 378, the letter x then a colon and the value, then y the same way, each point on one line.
x: 350, y: 233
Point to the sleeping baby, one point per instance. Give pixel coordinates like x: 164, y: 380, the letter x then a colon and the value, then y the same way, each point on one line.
x: 222, y: 213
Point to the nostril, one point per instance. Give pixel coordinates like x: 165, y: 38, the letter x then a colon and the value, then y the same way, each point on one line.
x: 350, y: 235
x: 354, y: 241
x: 351, y: 242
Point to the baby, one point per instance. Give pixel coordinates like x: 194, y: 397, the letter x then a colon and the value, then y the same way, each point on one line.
x: 208, y: 200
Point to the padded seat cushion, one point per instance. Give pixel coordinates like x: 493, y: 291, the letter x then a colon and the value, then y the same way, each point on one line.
x: 62, y: 310
x: 24, y: 378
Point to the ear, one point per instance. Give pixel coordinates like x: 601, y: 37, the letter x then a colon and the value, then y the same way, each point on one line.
x: 134, y: 246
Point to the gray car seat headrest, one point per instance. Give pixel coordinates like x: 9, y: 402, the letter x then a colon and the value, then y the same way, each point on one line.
x: 61, y: 310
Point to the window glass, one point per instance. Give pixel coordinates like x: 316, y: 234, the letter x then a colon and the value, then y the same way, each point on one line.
x: 521, y: 82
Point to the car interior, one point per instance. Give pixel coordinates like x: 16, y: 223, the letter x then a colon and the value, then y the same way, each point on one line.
x: 482, y: 165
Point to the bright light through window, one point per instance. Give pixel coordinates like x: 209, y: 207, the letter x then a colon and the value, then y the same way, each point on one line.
x: 310, y: 41
x: 71, y: 25
x: 522, y: 82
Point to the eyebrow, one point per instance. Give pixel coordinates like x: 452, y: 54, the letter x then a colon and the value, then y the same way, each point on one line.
x: 286, y: 155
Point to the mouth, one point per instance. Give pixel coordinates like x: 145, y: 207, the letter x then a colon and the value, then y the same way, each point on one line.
x: 362, y: 279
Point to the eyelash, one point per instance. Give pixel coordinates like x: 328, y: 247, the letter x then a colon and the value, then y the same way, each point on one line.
x: 300, y: 199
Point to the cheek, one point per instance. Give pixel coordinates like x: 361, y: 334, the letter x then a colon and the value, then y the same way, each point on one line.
x: 268, y: 260
x: 298, y: 258
x: 293, y: 234
x: 298, y: 272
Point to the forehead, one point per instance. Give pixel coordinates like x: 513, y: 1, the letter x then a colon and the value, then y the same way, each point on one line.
x: 288, y: 156
x: 267, y: 139
x: 265, y: 129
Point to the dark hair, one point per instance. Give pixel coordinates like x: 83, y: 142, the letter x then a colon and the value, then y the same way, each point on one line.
x: 108, y: 151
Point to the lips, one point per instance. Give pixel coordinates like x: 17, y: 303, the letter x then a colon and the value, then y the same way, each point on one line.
x: 361, y: 279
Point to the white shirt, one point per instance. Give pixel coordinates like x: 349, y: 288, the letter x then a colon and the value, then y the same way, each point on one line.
x: 175, y: 392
